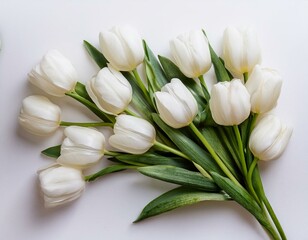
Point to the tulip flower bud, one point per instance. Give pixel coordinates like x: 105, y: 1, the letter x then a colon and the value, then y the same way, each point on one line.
x: 122, y: 47
x: 269, y: 138
x: 60, y: 185
x: 230, y: 103
x: 264, y: 86
x: 82, y: 147
x: 39, y: 116
x: 176, y: 106
x: 241, y: 50
x: 132, y: 134
x: 55, y: 74
x: 191, y: 53
x: 110, y: 91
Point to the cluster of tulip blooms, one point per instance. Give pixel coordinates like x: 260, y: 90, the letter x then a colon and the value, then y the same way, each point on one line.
x: 169, y: 125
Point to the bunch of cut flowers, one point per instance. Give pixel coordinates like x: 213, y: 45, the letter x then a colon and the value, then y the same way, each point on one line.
x: 167, y: 125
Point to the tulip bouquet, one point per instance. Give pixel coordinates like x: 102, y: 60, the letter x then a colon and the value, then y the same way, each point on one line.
x: 169, y: 125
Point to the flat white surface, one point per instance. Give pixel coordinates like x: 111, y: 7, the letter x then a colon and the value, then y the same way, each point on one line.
x: 106, y: 210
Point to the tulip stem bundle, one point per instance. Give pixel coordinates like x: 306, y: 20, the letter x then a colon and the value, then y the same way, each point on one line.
x: 210, y: 144
x: 214, y: 154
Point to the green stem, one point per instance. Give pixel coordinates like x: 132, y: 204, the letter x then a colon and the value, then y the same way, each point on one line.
x: 204, y: 87
x: 245, y: 76
x: 170, y: 149
x: 86, y: 124
x: 249, y: 180
x: 129, y: 112
x: 110, y: 153
x: 90, y: 105
x: 141, y: 85
x: 274, y: 217
x: 241, y: 149
x: 270, y: 209
x: 180, y: 154
x: 213, y: 153
x: 202, y: 81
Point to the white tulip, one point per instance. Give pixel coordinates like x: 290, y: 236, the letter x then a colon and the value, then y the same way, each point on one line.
x: 269, y: 138
x: 191, y: 53
x: 82, y: 147
x: 110, y: 91
x: 55, y: 74
x: 39, y: 116
x: 230, y: 103
x: 264, y: 86
x: 241, y: 50
x: 60, y: 184
x: 132, y: 135
x: 122, y: 47
x: 176, y: 106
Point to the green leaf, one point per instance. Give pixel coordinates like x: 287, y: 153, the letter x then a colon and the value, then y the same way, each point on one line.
x: 195, y: 153
x: 220, y: 71
x: 91, y: 106
x: 219, y: 67
x: 238, y: 193
x: 159, y: 74
x: 107, y: 170
x: 180, y: 176
x: 154, y: 159
x: 53, y: 152
x: 138, y: 101
x: 96, y: 55
x: 241, y: 196
x: 176, y: 198
x: 80, y: 89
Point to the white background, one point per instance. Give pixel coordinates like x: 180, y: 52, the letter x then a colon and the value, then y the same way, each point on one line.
x: 28, y: 29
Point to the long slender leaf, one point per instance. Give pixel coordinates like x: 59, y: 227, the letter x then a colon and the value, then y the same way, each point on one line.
x: 188, y: 147
x: 154, y: 159
x: 241, y: 196
x: 53, y: 152
x: 96, y: 55
x: 107, y: 170
x: 91, y: 106
x: 220, y: 70
x: 160, y: 76
x: 139, y: 102
x: 180, y: 176
x: 80, y: 89
x: 176, y: 198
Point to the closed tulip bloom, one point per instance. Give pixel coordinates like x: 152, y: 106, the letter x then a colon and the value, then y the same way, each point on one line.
x: 230, y: 103
x: 264, y: 86
x: 122, y: 47
x: 241, y: 50
x: 82, y: 147
x: 110, y: 91
x: 132, y: 134
x: 191, y: 53
x: 39, y: 116
x: 176, y: 106
x: 60, y: 185
x: 269, y: 138
x: 55, y: 74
